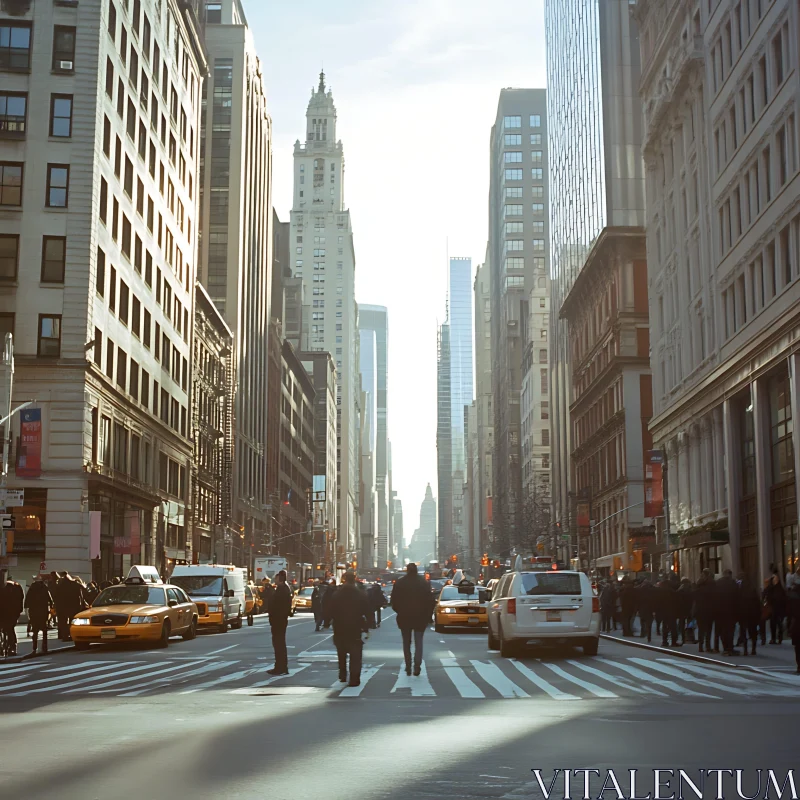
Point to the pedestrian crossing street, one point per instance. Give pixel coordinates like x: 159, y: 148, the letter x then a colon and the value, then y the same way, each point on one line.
x: 486, y: 678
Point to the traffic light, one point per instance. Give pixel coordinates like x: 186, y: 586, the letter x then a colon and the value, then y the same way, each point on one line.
x: 388, y: 565
x: 485, y: 560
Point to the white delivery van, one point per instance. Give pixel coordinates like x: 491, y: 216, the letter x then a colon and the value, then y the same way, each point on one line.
x: 217, y: 591
x: 269, y: 567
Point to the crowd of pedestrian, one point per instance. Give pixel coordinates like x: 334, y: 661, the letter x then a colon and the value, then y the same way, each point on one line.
x: 718, y: 615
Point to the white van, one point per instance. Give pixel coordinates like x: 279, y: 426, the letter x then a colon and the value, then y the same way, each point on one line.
x: 543, y: 606
x: 217, y: 591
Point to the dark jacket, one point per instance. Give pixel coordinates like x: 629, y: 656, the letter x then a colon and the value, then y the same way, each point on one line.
x: 328, y: 593
x: 727, y: 598
x: 607, y: 599
x: 38, y: 602
x: 11, y: 603
x: 685, y: 600
x: 775, y: 595
x: 377, y: 600
x: 647, y: 600
x: 316, y: 600
x: 413, y: 601
x: 793, y: 602
x: 349, y: 608
x: 69, y: 597
x: 749, y: 604
x: 666, y: 600
x: 280, y: 604
x: 705, y: 596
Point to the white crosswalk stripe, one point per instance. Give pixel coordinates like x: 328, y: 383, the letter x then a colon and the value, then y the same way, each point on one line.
x: 597, y: 678
x: 498, y: 680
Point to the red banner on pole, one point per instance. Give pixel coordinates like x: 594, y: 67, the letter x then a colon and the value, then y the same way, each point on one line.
x: 653, y: 491
x: 29, y: 457
x: 583, y: 515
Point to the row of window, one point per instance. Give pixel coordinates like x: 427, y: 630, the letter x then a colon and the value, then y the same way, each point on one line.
x: 54, y: 253
x: 747, y: 105
x: 537, y: 174
x: 48, y: 337
x: 515, y: 156
x: 12, y: 174
x: 15, y: 47
x: 519, y: 244
x: 517, y: 227
x: 515, y: 139
x: 535, y: 121
x: 515, y: 192
x: 759, y: 182
x: 14, y: 115
x: 762, y: 279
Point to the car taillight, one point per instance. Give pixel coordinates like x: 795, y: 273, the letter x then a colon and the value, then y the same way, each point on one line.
x: 512, y: 606
x: 595, y: 604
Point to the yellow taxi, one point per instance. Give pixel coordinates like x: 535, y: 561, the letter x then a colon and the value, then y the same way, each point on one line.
x: 461, y: 605
x: 136, y: 611
x: 252, y: 602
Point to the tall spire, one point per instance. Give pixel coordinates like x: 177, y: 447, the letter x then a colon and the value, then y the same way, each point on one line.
x: 322, y: 81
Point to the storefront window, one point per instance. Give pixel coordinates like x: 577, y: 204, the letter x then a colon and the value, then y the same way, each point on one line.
x: 781, y: 429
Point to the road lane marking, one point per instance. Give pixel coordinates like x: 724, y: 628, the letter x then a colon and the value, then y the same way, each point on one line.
x: 675, y: 673
x: 55, y: 678
x: 100, y: 688
x: 355, y: 691
x: 150, y: 685
x: 726, y: 675
x: 419, y: 685
x: 623, y: 683
x: 221, y: 650
x: 466, y: 687
x: 62, y: 686
x: 451, y: 654
x: 644, y: 676
x: 497, y: 679
x: 597, y: 691
x: 234, y: 676
x: 544, y: 685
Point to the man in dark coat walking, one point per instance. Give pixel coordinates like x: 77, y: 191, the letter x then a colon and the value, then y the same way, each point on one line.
x: 667, y: 607
x: 350, y: 612
x: 705, y: 594
x: 413, y: 601
x: 38, y: 602
x: 646, y: 602
x: 749, y: 612
x: 316, y: 606
x: 377, y: 601
x: 280, y: 609
x: 328, y: 593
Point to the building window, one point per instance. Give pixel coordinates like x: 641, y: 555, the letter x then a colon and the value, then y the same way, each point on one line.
x: 513, y: 227
x: 545, y: 437
x: 538, y: 208
x: 63, y: 49
x: 536, y: 156
x: 536, y: 138
x: 513, y: 157
x: 512, y: 211
x: 538, y: 192
x: 537, y: 174
x: 538, y: 244
x: 536, y: 121
x: 49, y: 335
x: 9, y: 256
x: 513, y: 192
x: 10, y: 182
x: 13, y: 113
x: 545, y: 408
x: 57, y: 185
x: 513, y: 174
x: 538, y: 226
x: 512, y: 139
x: 100, y: 277
x: 15, y: 46
x: 512, y: 122
x: 54, y: 254
x: 61, y: 116
x: 214, y: 13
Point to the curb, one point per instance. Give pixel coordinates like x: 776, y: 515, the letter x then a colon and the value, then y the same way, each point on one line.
x: 680, y: 653
x: 29, y: 656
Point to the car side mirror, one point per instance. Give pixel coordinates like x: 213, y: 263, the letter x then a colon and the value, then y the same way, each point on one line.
x: 488, y: 595
x: 173, y: 603
x: 229, y: 593
x: 483, y: 595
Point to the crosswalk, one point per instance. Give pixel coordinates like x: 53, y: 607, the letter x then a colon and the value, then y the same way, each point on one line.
x: 492, y: 678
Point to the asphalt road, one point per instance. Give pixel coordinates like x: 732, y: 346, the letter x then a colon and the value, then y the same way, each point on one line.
x: 204, y: 720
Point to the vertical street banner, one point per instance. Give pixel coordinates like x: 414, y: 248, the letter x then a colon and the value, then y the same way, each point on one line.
x: 29, y: 455
x: 653, y: 486
x: 583, y: 515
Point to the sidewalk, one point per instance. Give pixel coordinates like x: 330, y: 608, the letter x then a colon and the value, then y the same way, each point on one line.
x: 25, y: 645
x: 771, y: 657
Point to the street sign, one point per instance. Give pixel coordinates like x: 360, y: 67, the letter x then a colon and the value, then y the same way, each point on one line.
x: 12, y: 498
x: 656, y: 456
x: 6, y: 522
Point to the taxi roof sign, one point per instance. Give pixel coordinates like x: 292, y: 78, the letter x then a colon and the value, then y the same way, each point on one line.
x: 142, y: 573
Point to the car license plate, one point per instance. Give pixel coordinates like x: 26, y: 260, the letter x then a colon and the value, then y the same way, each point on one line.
x: 554, y: 616
x: 108, y: 633
x: 474, y: 620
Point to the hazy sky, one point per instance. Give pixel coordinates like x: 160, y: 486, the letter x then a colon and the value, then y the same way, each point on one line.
x: 415, y: 84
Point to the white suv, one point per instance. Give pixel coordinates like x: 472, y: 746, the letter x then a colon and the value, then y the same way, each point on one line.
x: 559, y: 607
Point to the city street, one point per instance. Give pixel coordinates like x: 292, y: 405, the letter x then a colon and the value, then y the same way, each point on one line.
x: 203, y: 719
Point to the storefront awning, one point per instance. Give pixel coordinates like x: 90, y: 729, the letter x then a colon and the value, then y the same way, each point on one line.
x: 704, y: 538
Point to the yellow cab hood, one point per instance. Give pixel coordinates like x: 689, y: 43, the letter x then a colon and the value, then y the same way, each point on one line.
x: 131, y: 609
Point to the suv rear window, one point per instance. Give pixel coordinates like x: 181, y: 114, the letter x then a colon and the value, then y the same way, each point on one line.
x: 551, y: 583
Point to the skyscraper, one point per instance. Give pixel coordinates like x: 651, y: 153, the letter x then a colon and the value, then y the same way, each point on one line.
x: 322, y: 245
x: 375, y: 319
x: 368, y: 501
x: 599, y: 273
x: 518, y: 260
x: 236, y: 227
x: 444, y: 443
